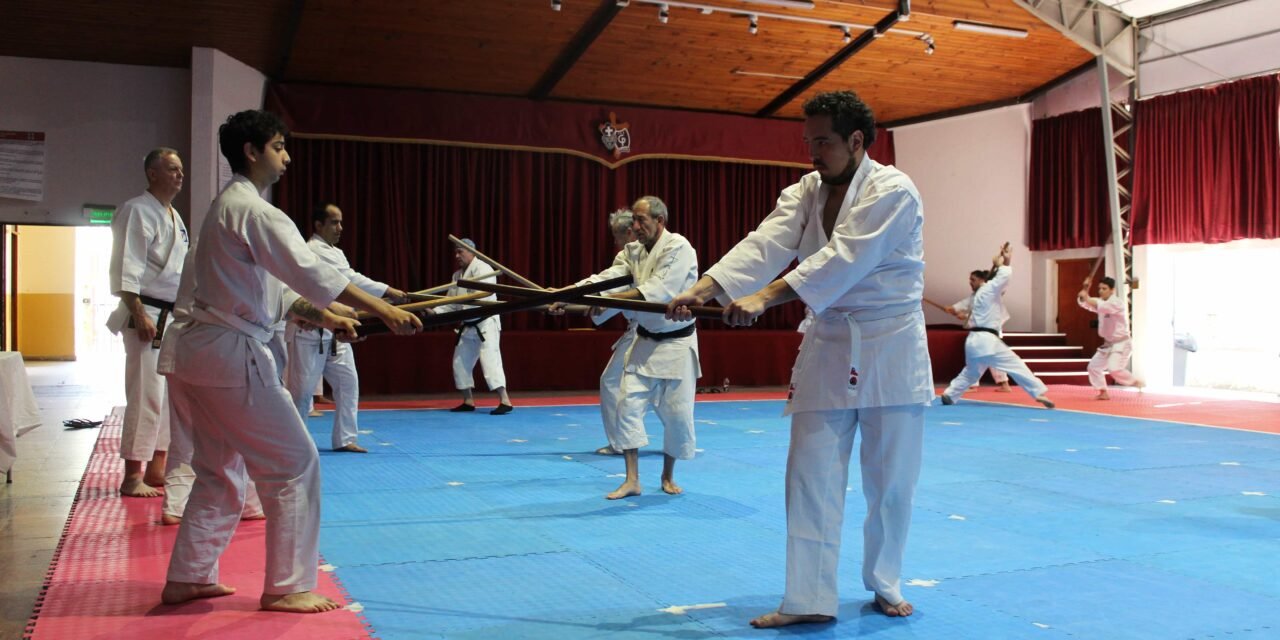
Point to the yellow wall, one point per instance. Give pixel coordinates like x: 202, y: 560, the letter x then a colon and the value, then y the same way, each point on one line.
x: 46, y: 292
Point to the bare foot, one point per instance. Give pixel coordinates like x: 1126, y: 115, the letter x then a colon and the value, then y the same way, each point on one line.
x: 1103, y: 395
x: 628, y: 488
x: 1044, y: 400
x: 607, y: 450
x: 301, y: 602
x: 780, y: 619
x: 252, y: 516
x: 352, y: 448
x: 669, y: 486
x: 1003, y: 388
x: 168, y: 520
x: 902, y: 609
x: 155, y: 469
x: 179, y: 592
x: 134, y: 487
x: 315, y: 413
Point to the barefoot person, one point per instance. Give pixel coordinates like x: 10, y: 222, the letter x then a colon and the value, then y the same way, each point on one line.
x: 962, y: 309
x: 1117, y: 346
x: 611, y: 380
x: 478, y: 340
x: 661, y: 367
x: 250, y: 262
x: 316, y: 352
x: 984, y: 347
x: 148, y: 246
x: 856, y: 227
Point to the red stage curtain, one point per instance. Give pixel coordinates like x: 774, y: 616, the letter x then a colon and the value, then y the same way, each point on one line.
x: 1207, y: 164
x: 1067, y: 206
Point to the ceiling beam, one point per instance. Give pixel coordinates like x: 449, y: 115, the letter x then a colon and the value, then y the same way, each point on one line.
x: 832, y: 63
x: 290, y: 34
x: 594, y: 26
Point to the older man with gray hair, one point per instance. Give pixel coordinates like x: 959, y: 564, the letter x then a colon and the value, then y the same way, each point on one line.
x: 477, y: 339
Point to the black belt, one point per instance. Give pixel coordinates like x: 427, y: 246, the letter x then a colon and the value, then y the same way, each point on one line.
x: 165, y: 306
x: 986, y: 330
x: 474, y: 324
x: 333, y: 344
x: 670, y: 335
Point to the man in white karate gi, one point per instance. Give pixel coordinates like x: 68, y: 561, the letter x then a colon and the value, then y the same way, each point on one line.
x: 611, y: 380
x: 856, y: 226
x: 660, y: 367
x: 149, y: 244
x: 962, y: 309
x: 478, y: 340
x: 250, y: 262
x: 313, y: 352
x: 1117, y: 346
x: 984, y: 347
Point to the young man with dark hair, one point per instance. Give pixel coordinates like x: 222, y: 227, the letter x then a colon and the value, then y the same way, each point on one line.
x: 856, y: 226
x: 1117, y: 346
x: 249, y: 262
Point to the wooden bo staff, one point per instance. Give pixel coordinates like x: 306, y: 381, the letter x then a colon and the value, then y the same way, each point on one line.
x: 494, y: 263
x: 930, y: 302
x: 436, y: 301
x: 580, y: 309
x: 540, y: 298
x: 444, y: 287
x: 710, y: 313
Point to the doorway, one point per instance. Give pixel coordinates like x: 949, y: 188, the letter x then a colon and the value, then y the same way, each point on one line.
x: 1079, y: 325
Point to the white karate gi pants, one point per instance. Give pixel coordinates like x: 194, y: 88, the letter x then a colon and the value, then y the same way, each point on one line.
x: 983, y: 350
x: 611, y: 381
x: 257, y: 429
x: 470, y: 349
x: 306, y: 366
x: 178, y: 474
x: 671, y: 399
x: 1113, y: 359
x: 146, y: 411
x: 817, y: 477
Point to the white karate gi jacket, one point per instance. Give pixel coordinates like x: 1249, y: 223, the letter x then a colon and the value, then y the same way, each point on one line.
x: 335, y: 258
x: 241, y: 282
x: 866, y: 347
x: 477, y: 267
x: 147, y: 252
x: 1113, y: 322
x: 660, y: 275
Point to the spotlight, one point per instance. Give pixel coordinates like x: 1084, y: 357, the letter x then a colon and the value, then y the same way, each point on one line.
x: 928, y: 43
x: 753, y: 25
x: 848, y: 37
x: 555, y: 5
x: 624, y: 3
x: 664, y: 13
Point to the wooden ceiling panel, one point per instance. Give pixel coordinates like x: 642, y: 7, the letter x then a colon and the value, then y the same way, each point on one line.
x: 479, y: 46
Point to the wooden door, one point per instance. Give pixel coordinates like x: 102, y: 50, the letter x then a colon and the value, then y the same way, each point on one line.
x: 1080, y: 325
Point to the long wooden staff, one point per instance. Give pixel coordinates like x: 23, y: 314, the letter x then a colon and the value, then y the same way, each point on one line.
x: 930, y: 302
x: 541, y: 298
x: 445, y: 287
x: 494, y: 263
x: 711, y: 313
x: 435, y: 301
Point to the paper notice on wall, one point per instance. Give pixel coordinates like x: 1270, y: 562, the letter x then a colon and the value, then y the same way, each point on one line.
x: 22, y: 165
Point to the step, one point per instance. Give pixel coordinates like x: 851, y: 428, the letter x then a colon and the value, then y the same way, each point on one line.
x: 1018, y: 338
x: 1056, y: 365
x: 1066, y: 377
x: 1027, y: 353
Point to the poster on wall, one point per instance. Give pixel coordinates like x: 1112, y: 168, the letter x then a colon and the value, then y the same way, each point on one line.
x: 22, y: 165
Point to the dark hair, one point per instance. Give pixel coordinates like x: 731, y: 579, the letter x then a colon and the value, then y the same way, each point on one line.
x: 320, y: 214
x: 1110, y: 282
x: 252, y: 126
x: 848, y: 114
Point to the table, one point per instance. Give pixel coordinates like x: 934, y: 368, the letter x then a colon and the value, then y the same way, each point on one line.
x: 18, y: 411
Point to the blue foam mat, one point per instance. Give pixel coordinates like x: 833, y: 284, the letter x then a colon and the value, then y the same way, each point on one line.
x: 471, y: 526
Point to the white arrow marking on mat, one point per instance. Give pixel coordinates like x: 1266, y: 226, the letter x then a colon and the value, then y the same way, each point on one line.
x: 679, y: 610
x: 916, y: 582
x: 355, y: 606
x: 517, y: 440
x: 567, y: 457
x: 956, y: 517
x: 456, y: 484
x: 1041, y: 625
x: 1229, y: 464
x: 1039, y: 420
x: 365, y: 431
x: 616, y: 475
x: 756, y: 431
x: 1166, y: 406
x: 573, y: 424
x: 699, y: 450
x: 327, y: 568
x: 561, y: 438
x: 1072, y: 450
x: 1252, y: 493
x: 1167, y: 501
x: 384, y: 444
x: 1112, y: 448
x: 953, y: 424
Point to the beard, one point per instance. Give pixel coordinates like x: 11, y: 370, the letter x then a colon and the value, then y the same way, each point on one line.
x: 842, y: 178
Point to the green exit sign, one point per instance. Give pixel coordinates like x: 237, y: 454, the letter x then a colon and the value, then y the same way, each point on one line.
x: 97, y: 214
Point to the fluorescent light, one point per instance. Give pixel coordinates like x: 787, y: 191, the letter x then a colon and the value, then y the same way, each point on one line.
x: 762, y: 74
x: 989, y: 29
x: 790, y: 4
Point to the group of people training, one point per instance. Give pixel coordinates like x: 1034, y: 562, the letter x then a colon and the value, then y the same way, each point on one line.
x: 855, y: 227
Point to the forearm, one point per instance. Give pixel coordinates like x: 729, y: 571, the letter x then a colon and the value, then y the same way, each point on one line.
x: 133, y: 303
x: 307, y: 312
x: 629, y: 294
x: 777, y: 292
x: 356, y: 297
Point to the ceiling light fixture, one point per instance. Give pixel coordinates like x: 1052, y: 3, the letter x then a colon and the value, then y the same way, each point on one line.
x: 665, y: 5
x: 664, y: 13
x: 848, y: 37
x: 928, y: 43
x: 790, y: 4
x: 555, y: 5
x: 753, y: 24
x: 624, y: 3
x: 989, y: 29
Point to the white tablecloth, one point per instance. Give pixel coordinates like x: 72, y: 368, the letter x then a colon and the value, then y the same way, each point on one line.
x: 18, y: 411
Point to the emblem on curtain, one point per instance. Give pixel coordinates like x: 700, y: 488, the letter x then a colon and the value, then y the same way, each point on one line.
x: 615, y: 135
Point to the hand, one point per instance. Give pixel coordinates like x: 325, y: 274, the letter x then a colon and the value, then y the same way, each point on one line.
x: 344, y: 328
x: 702, y: 291
x: 744, y: 311
x: 401, y: 323
x: 595, y: 311
x: 556, y: 308
x: 145, y: 327
x: 339, y: 309
x: 397, y: 296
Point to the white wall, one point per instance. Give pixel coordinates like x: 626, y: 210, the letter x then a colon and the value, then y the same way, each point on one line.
x: 972, y: 175
x: 99, y: 120
x: 220, y: 87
